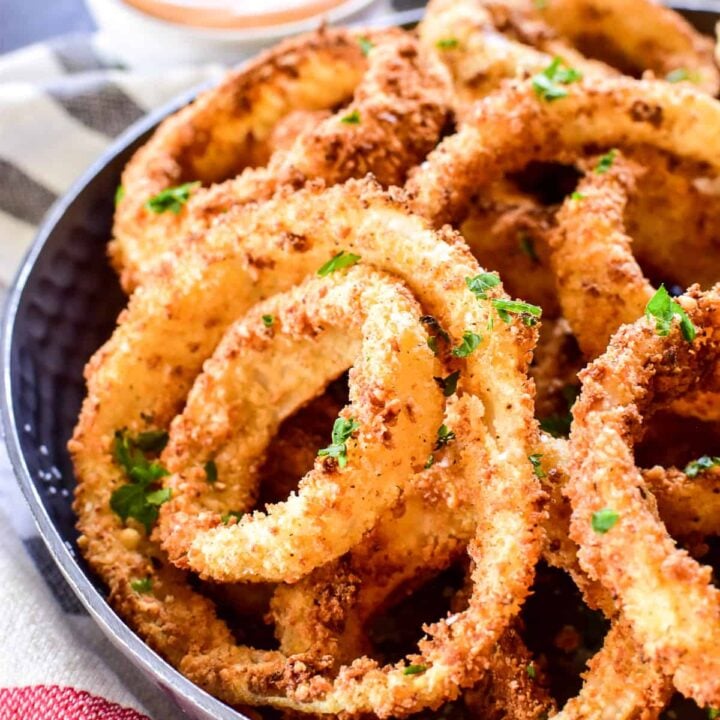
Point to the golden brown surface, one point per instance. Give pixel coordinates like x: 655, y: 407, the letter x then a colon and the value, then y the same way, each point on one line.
x: 416, y: 563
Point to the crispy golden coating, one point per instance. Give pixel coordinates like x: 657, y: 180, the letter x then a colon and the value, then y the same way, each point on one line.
x: 398, y: 106
x: 636, y: 36
x: 639, y: 371
x: 174, y: 323
x: 509, y: 129
x: 259, y: 376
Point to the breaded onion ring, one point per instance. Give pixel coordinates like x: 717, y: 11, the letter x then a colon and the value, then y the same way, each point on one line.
x: 483, y: 47
x: 514, y: 126
x: 143, y: 373
x: 320, y: 328
x: 636, y: 36
x: 397, y: 112
x: 665, y: 595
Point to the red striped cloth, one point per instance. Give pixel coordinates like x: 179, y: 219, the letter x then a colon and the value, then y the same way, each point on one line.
x: 51, y: 702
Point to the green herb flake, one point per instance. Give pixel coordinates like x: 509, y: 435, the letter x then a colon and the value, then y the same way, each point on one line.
x: 527, y: 245
x: 604, y: 520
x: 226, y: 517
x: 341, y: 433
x: 338, y: 262
x: 268, y: 320
x: 448, y: 384
x: 153, y: 441
x: 444, y: 437
x: 352, y: 118
x: 365, y: 45
x: 470, y: 342
x: 540, y: 4
x: 606, y: 162
x: 448, y: 43
x: 142, y: 496
x: 577, y: 196
x: 663, y: 309
x: 142, y: 585
x: 713, y: 713
x: 414, y: 669
x: 480, y: 284
x: 429, y: 462
x: 119, y: 195
x: 683, y: 75
x: 211, y: 473
x: 529, y: 314
x: 531, y: 672
x: 537, y: 465
x: 437, y: 331
x: 706, y: 462
x: 171, y: 199
x: 548, y: 84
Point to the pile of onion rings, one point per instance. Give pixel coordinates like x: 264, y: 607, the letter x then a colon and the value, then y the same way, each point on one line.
x: 423, y: 335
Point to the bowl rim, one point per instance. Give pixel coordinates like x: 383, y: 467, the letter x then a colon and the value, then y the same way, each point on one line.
x: 115, y: 629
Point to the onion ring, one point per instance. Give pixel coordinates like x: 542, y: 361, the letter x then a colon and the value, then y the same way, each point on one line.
x: 679, y: 629
x: 399, y: 108
x: 173, y: 324
x: 321, y: 326
x: 642, y: 35
x: 512, y: 127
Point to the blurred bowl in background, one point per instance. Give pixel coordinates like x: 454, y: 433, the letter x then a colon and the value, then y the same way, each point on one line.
x: 155, y: 33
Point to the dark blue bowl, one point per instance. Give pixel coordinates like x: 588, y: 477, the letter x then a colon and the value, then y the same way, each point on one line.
x: 63, y: 305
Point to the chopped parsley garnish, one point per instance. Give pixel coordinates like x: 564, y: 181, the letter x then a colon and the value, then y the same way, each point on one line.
x: 171, y: 199
x: 604, y: 520
x: 470, y: 343
x: 540, y: 4
x: 577, y: 196
x: 430, y: 461
x: 713, y: 713
x: 528, y: 313
x: 338, y: 262
x: 706, y: 462
x: 537, y: 465
x: 527, y: 245
x: 226, y: 517
x: 268, y: 320
x: 448, y: 384
x: 341, y: 433
x: 211, y: 474
x: 365, y: 45
x: 448, y: 43
x: 558, y: 425
x: 606, y: 162
x: 548, y: 84
x: 119, y: 195
x: 531, y: 672
x: 142, y: 586
x: 142, y: 496
x: 414, y: 669
x: 681, y: 75
x: 352, y: 118
x: 480, y: 284
x: 663, y: 309
x: 151, y: 440
x: 434, y: 326
x: 444, y: 437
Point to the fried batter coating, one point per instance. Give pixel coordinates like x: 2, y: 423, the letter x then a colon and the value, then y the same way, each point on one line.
x: 319, y: 329
x: 173, y: 324
x: 398, y: 108
x: 510, y: 128
x: 636, y: 36
x: 665, y: 595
